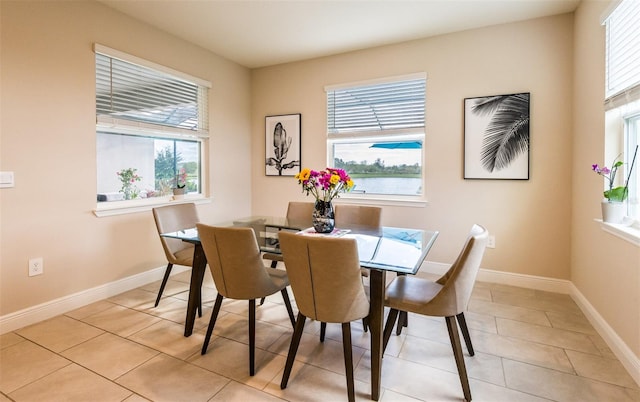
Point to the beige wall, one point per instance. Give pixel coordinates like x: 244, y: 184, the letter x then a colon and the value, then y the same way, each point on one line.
x: 605, y: 269
x: 47, y: 138
x: 530, y: 219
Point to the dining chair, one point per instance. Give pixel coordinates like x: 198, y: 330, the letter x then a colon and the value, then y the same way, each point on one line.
x: 447, y: 297
x: 297, y: 212
x: 172, y: 218
x: 363, y: 217
x: 327, y: 286
x: 239, y: 273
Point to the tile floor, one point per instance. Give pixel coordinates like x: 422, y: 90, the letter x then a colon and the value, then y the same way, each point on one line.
x: 530, y: 346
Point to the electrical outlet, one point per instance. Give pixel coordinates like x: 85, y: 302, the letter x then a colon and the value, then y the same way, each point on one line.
x: 492, y: 242
x: 36, y: 266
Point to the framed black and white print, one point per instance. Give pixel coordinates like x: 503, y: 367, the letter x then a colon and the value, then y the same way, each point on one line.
x: 282, y: 144
x: 496, y: 137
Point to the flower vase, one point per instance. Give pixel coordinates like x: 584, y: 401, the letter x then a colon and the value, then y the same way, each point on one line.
x: 323, y: 217
x: 178, y: 193
x: 612, y: 211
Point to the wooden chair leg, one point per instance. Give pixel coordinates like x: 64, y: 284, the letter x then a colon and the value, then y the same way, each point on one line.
x: 287, y: 303
x: 388, y: 328
x: 293, y: 349
x: 323, y: 330
x: 252, y: 337
x: 403, y: 321
x: 348, y: 359
x: 465, y: 333
x: 365, y: 324
x: 457, y: 353
x: 167, y: 272
x: 212, y: 322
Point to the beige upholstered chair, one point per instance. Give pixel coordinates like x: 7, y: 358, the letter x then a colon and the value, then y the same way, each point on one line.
x: 363, y: 217
x: 296, y: 212
x: 239, y: 273
x: 447, y: 297
x: 326, y: 282
x: 172, y: 218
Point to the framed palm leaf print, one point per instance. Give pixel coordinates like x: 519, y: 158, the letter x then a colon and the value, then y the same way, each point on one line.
x: 496, y: 137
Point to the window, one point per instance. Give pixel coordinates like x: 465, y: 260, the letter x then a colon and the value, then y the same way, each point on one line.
x: 376, y: 133
x: 150, y: 126
x: 622, y: 95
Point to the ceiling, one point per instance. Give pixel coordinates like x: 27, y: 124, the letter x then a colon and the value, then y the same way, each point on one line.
x: 259, y: 33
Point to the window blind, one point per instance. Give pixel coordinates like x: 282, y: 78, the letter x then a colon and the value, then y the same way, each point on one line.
x: 140, y: 99
x: 623, y: 54
x: 397, y: 105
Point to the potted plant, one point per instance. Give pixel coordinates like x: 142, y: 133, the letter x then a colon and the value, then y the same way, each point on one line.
x: 181, y: 183
x: 613, y: 204
x: 128, y: 177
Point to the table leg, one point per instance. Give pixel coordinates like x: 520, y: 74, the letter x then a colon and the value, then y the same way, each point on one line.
x: 376, y: 316
x: 195, y: 287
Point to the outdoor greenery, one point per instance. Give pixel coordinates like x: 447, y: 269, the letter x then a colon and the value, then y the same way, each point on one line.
x: 167, y: 166
x: 378, y: 169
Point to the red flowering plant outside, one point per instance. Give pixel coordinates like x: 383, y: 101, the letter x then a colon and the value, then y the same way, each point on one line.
x: 326, y: 184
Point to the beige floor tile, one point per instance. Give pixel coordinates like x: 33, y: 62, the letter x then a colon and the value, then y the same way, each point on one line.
x: 134, y: 298
x: 328, y: 355
x: 392, y: 396
x: 4, y: 398
x: 109, y: 355
x: 171, y: 288
x: 168, y: 337
x: 359, y: 338
x: 507, y: 311
x: 602, y: 346
x: 165, y: 378
x: 559, y: 386
x: 231, y: 359
x: 10, y: 339
x: 233, y: 326
x: 572, y: 322
x: 438, y: 355
x: 481, y: 293
x: 481, y: 322
x: 89, y: 309
x: 121, y: 320
x: 310, y: 383
x: 601, y: 369
x: 135, y: 398
x: 59, y: 333
x: 546, y: 335
x: 521, y: 350
x: 275, y: 313
x: 71, y: 383
x: 25, y: 362
x: 538, y: 300
x: 239, y: 392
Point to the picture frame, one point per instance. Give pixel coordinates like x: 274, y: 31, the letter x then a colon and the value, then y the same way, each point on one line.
x: 283, y: 144
x: 496, y: 137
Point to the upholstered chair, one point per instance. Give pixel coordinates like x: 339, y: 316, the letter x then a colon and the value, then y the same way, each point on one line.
x: 172, y: 218
x: 447, y: 297
x: 239, y: 273
x: 327, y: 285
x: 296, y: 212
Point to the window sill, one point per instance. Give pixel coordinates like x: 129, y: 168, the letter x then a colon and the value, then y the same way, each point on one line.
x: 630, y: 233
x: 105, y: 209
x: 410, y: 201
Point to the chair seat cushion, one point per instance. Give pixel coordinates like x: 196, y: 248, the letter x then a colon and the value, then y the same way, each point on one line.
x: 408, y: 293
x: 279, y: 277
x: 184, y: 256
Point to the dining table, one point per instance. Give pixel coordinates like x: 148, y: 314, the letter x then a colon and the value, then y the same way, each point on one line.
x: 380, y: 249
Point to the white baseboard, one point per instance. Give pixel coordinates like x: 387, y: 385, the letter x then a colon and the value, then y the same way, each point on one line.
x: 629, y: 360
x: 34, y: 314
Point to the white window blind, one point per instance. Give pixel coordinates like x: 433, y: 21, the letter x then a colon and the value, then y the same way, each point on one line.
x: 396, y: 105
x: 141, y: 99
x: 623, y: 54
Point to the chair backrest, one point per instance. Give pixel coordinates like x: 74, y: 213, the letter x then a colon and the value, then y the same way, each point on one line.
x: 300, y: 212
x: 458, y: 281
x: 360, y: 215
x: 172, y: 218
x: 325, y: 277
x: 235, y: 262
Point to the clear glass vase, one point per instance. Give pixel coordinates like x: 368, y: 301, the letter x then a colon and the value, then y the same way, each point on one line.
x: 323, y: 217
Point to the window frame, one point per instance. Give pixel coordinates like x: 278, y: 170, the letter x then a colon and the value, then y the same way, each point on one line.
x: 106, y: 124
x: 379, y: 135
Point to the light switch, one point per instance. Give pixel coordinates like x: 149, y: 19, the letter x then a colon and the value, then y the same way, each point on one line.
x: 6, y: 179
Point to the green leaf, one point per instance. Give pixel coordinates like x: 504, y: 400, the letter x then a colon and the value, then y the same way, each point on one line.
x: 616, y: 194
